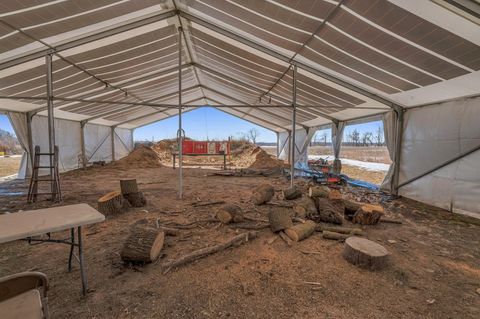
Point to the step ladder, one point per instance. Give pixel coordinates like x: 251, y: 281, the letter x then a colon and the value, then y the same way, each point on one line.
x: 53, y: 178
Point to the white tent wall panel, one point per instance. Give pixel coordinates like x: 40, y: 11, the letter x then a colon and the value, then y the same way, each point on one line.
x: 123, y: 142
x: 433, y: 135
x: 98, y: 143
x: 67, y: 137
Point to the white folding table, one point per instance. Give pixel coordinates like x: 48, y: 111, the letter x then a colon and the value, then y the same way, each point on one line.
x: 27, y: 224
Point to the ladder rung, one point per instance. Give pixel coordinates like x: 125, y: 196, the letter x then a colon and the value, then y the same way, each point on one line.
x: 45, y: 154
x: 44, y: 180
x: 43, y: 194
x: 43, y: 166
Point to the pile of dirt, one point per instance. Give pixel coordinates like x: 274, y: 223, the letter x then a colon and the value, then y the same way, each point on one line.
x: 252, y: 156
x: 164, y: 149
x: 142, y: 156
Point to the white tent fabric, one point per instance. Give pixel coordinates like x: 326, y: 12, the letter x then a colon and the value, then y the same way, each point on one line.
x: 389, y: 126
x: 337, y: 136
x: 116, y: 64
x: 434, y: 135
x: 20, y: 127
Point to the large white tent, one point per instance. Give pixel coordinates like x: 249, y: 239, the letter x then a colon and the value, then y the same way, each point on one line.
x: 104, y: 68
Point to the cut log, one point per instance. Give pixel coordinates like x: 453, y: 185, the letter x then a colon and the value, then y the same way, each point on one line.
x: 340, y: 230
x: 335, y: 194
x: 202, y: 204
x: 368, y: 215
x: 279, y: 219
x: 301, y: 231
x: 112, y: 203
x: 350, y: 208
x: 334, y: 236
x: 128, y: 186
x: 305, y: 207
x: 365, y: 253
x: 389, y: 220
x: 318, y: 191
x: 197, y: 254
x: 262, y: 194
x: 292, y: 193
x: 136, y: 199
x: 285, y: 238
x: 327, y: 212
x: 337, y: 166
x: 143, y: 245
x: 229, y: 213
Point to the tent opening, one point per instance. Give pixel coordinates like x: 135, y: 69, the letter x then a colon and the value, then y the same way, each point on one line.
x: 10, y: 150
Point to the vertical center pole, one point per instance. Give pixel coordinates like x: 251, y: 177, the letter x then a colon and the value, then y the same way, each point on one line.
x: 294, y: 115
x: 180, y: 130
x: 50, y: 119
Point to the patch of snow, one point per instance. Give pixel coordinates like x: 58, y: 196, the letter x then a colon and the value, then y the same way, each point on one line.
x: 369, y: 166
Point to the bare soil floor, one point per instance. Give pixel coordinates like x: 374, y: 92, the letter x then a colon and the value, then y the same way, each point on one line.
x: 9, y: 165
x: 434, y: 269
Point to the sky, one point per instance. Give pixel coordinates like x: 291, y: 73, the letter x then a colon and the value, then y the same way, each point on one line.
x: 210, y: 123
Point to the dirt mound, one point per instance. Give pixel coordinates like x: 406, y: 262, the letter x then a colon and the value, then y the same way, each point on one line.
x: 142, y: 156
x: 164, y: 149
x: 252, y: 156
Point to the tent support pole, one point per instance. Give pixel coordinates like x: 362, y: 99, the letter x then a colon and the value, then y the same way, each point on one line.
x: 398, y: 150
x: 294, y: 114
x: 180, y: 130
x: 278, y: 142
x: 112, y: 135
x: 82, y: 143
x: 30, y: 143
x: 50, y: 119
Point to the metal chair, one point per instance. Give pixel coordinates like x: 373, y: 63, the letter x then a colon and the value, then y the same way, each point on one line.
x: 20, y: 296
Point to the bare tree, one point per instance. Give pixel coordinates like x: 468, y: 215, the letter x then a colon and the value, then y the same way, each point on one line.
x: 252, y: 135
x: 379, y: 136
x: 367, y: 138
x: 355, y: 136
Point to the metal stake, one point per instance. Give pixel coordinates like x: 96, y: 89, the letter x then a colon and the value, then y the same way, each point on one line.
x: 294, y: 114
x: 180, y: 130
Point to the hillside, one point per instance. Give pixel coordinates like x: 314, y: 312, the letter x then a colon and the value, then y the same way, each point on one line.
x: 9, y: 143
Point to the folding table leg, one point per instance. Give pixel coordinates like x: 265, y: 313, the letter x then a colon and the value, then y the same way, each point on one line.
x: 72, y: 246
x: 80, y: 260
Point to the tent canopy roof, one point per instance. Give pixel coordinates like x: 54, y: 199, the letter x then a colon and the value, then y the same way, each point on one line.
x: 354, y: 58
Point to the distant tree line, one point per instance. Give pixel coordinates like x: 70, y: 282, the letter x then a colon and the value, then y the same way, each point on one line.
x: 352, y: 138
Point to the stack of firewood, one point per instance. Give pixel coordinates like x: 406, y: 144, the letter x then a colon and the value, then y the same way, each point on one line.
x: 117, y: 202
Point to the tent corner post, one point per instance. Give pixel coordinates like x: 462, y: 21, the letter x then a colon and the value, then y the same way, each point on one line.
x: 112, y: 134
x: 294, y: 114
x: 82, y: 143
x: 398, y: 150
x: 180, y: 133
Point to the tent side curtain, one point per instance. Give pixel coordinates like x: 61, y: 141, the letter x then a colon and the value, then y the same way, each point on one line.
x: 389, y: 129
x: 432, y: 136
x: 302, y: 141
x: 97, y: 139
x: 20, y: 127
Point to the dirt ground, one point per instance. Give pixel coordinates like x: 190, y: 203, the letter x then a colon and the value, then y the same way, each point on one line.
x: 434, y: 269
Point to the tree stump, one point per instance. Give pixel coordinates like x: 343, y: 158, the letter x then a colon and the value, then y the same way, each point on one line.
x: 301, y: 231
x: 136, y: 199
x: 365, y: 253
x: 318, y: 191
x: 305, y: 207
x: 292, y: 193
x: 229, y: 213
x: 262, y: 194
x: 368, y: 214
x: 143, y: 245
x: 279, y: 219
x: 128, y: 186
x: 112, y: 203
x: 327, y: 212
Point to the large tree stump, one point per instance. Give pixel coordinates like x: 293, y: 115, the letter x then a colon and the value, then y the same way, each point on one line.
x: 301, y: 231
x: 365, y: 253
x: 305, y: 207
x: 327, y: 212
x: 262, y: 194
x: 368, y: 214
x: 229, y: 213
x: 292, y: 193
x: 143, y: 245
x: 136, y: 199
x: 318, y: 191
x: 279, y: 219
x: 128, y: 186
x: 112, y: 203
